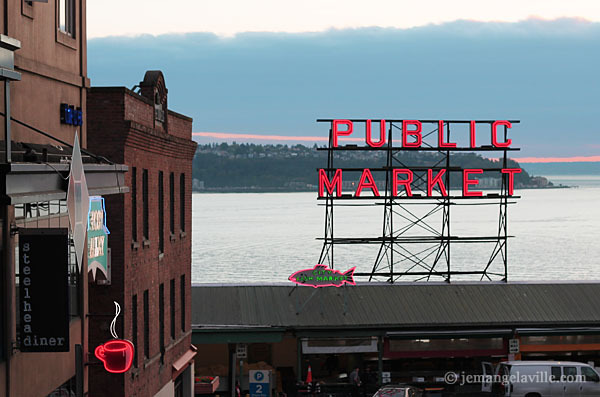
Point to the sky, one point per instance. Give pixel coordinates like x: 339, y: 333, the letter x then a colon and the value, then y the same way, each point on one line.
x: 264, y: 71
x: 228, y: 17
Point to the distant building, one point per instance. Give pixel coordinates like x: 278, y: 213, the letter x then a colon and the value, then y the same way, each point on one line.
x: 150, y: 239
x: 539, y: 181
x: 489, y: 182
x: 198, y: 185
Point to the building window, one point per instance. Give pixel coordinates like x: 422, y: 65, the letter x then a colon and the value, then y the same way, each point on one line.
x: 172, y: 202
x: 134, y: 329
x: 182, y: 202
x: 145, y: 203
x: 172, y: 304
x: 161, y: 214
x: 134, y: 235
x: 27, y: 8
x: 182, y: 293
x: 161, y: 318
x: 66, y: 17
x: 179, y: 385
x: 146, y: 325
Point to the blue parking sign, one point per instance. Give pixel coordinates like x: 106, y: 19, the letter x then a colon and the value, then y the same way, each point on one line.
x: 259, y: 383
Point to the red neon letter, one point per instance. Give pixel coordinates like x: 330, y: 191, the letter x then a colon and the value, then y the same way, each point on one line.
x: 511, y: 178
x: 416, y: 133
x: 472, y: 130
x: 337, y: 133
x: 335, y: 183
x: 494, y: 134
x: 404, y: 182
x: 441, y: 142
x: 467, y: 182
x: 371, y: 184
x: 437, y: 180
x: 381, y: 141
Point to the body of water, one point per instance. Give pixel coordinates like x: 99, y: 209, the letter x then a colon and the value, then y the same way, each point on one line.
x: 265, y: 237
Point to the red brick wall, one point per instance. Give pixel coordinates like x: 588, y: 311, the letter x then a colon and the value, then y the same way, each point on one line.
x: 138, y: 109
x: 180, y: 126
x: 105, y: 121
x: 139, y: 267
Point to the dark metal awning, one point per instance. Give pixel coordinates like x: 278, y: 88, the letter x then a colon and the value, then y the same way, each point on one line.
x: 558, y: 331
x: 32, y: 182
x: 449, y: 334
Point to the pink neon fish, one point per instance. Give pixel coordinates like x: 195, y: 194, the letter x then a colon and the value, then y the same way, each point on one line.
x: 322, y: 276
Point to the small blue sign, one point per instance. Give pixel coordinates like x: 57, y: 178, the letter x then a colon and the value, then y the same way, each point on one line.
x: 71, y: 115
x: 259, y: 376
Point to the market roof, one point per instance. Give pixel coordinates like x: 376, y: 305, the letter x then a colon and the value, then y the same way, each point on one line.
x: 396, y: 306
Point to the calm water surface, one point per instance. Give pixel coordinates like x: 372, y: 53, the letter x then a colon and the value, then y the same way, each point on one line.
x: 264, y: 237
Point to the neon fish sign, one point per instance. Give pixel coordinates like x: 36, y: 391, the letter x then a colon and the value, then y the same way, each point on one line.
x: 322, y: 276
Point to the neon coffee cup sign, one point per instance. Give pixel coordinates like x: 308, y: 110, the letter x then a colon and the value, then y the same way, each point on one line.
x: 117, y: 355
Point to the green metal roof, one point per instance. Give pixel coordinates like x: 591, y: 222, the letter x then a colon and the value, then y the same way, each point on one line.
x: 397, y: 306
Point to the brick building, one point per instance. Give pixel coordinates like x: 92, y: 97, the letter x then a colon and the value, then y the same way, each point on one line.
x: 150, y: 239
x: 43, y: 78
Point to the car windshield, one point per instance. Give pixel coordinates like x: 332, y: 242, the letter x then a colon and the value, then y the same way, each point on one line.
x: 397, y: 392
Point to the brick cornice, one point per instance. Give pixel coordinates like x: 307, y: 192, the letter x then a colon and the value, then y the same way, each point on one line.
x: 144, y: 138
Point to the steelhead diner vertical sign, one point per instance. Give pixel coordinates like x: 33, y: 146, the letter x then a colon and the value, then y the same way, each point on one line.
x: 43, y: 290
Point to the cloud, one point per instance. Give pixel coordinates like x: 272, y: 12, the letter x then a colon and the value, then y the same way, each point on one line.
x: 541, y: 72
x: 575, y: 159
x: 262, y: 137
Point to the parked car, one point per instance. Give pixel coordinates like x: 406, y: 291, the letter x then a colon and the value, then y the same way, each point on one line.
x: 398, y: 391
x: 543, y: 379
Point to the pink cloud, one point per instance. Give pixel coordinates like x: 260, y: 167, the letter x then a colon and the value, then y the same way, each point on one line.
x: 576, y: 159
x: 227, y: 135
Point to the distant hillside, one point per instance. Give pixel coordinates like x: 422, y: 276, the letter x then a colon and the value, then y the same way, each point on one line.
x: 250, y: 167
x: 545, y: 169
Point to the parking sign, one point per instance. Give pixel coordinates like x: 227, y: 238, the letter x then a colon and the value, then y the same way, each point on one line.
x: 260, y: 383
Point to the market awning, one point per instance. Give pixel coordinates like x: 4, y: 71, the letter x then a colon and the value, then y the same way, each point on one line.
x: 204, y: 336
x: 182, y: 362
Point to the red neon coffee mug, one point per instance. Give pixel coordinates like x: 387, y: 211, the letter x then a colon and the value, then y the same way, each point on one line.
x: 116, y: 354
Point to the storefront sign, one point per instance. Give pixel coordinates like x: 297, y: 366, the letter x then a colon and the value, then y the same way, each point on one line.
x: 43, y: 290
x: 241, y: 350
x: 322, y: 276
x: 386, y: 377
x: 403, y: 178
x: 116, y: 355
x: 259, y: 383
x: 97, y: 238
x: 71, y: 115
x: 339, y: 345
